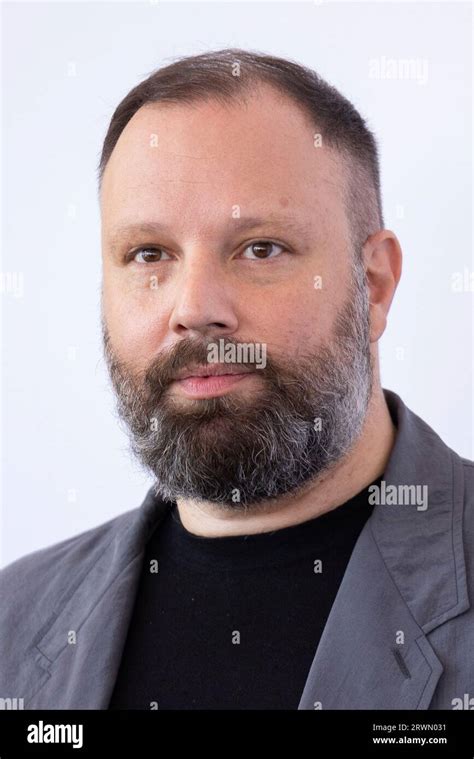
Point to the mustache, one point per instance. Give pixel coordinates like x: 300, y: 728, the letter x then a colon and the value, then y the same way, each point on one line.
x: 186, y: 353
x: 183, y: 355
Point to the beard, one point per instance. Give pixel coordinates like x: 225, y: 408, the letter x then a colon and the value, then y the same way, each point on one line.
x: 243, y: 450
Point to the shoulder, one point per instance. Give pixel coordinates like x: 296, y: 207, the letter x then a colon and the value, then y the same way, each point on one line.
x: 467, y: 483
x: 41, y: 578
x: 468, y: 465
x: 468, y: 473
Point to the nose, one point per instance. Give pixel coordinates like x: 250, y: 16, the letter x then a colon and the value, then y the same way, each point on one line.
x: 203, y: 303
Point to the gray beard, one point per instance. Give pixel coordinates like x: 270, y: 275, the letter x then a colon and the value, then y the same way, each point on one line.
x: 237, y: 451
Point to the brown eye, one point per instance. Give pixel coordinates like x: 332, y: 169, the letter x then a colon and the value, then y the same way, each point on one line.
x: 262, y: 249
x: 149, y: 255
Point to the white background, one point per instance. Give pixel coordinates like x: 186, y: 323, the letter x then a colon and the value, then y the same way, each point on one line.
x: 66, y: 66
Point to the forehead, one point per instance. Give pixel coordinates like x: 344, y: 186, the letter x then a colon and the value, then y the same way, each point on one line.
x: 186, y: 162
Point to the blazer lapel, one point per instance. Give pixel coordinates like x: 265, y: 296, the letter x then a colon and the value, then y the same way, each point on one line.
x: 81, y: 674
x: 361, y: 661
x: 405, y: 577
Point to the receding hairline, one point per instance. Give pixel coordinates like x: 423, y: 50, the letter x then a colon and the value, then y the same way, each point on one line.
x: 207, y: 77
x: 345, y: 162
x: 340, y: 157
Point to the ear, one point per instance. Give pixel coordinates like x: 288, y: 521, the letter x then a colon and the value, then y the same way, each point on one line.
x: 383, y: 264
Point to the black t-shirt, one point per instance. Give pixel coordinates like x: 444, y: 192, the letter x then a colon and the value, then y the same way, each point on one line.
x: 233, y: 622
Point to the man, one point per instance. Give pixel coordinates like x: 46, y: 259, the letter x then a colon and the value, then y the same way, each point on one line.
x: 307, y: 541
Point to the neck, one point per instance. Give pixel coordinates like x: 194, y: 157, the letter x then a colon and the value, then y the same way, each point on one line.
x: 365, y: 462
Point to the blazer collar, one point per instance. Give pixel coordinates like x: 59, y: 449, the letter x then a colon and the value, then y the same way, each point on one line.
x: 423, y: 549
x: 405, y: 577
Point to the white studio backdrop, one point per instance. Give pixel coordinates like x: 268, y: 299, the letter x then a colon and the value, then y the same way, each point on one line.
x: 66, y: 465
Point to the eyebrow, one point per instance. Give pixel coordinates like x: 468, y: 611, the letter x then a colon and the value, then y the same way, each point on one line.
x: 291, y: 223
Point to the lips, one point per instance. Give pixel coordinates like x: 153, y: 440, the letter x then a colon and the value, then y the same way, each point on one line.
x: 211, y: 371
x: 209, y: 381
x: 199, y: 387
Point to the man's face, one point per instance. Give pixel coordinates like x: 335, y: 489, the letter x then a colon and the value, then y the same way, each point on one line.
x: 224, y: 226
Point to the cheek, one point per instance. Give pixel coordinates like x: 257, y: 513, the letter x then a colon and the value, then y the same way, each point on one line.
x: 135, y: 321
x: 294, y: 320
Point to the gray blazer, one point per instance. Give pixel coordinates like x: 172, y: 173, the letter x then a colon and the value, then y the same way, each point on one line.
x: 400, y: 634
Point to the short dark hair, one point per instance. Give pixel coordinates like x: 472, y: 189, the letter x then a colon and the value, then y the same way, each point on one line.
x: 228, y: 75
